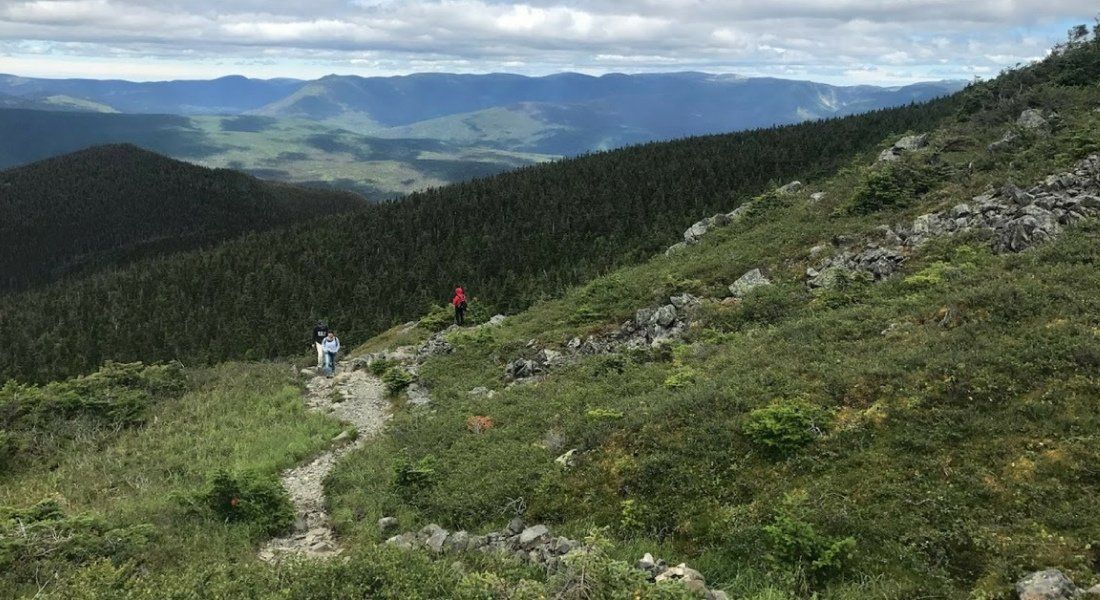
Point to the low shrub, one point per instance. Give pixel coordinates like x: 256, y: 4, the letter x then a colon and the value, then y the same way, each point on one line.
x: 479, y: 424
x: 247, y: 498
x: 396, y: 380
x: 415, y: 477
x: 784, y: 426
x: 813, y: 558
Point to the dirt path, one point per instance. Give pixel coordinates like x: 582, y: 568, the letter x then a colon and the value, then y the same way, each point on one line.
x: 359, y: 400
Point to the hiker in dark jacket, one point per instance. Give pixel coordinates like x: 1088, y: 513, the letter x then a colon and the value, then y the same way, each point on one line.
x: 459, y: 302
x: 320, y: 331
x: 331, y: 346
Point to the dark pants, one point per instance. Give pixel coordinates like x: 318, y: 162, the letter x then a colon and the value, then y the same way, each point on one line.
x: 330, y: 363
x: 460, y: 314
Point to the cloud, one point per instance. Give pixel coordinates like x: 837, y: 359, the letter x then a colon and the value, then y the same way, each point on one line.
x: 852, y: 40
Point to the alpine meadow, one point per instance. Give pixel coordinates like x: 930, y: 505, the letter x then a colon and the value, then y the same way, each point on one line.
x: 853, y: 356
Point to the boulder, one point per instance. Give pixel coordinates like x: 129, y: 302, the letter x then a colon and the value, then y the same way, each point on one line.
x: 436, y: 540
x: 675, y: 249
x: 697, y: 231
x: 683, y: 301
x: 497, y: 320
x: 817, y: 197
x: 522, y: 368
x: 458, y: 542
x: 531, y: 536
x: 692, y: 579
x: 664, y: 316
x: 906, y: 144
x: 1093, y: 592
x: 739, y: 212
x: 790, y: 188
x: 386, y: 524
x: 1033, y: 118
x: 1050, y: 584
x: 567, y: 460
x: 748, y: 282
x: 643, y: 316
x: 479, y: 391
x: 515, y: 526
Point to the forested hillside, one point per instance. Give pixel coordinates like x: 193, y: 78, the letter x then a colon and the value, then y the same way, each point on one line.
x: 111, y: 205
x: 511, y: 239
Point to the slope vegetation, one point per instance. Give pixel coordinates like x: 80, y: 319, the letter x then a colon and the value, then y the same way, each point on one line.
x: 513, y: 238
x: 895, y: 399
x: 111, y: 205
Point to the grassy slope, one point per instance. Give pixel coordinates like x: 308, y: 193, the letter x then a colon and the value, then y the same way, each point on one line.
x: 240, y: 417
x: 958, y: 458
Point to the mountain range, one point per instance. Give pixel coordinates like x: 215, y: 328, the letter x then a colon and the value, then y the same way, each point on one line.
x: 562, y: 114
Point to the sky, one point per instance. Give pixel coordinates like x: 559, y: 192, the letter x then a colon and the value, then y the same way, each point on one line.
x: 884, y: 42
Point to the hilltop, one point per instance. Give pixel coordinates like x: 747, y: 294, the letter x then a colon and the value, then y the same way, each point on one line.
x: 112, y: 205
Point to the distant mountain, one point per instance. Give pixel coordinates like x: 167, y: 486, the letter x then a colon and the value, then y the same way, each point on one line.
x: 286, y: 150
x: 227, y: 95
x: 109, y: 205
x: 54, y: 102
x: 567, y: 113
x: 571, y: 113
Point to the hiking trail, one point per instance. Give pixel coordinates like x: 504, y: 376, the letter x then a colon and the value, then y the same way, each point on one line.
x: 359, y: 400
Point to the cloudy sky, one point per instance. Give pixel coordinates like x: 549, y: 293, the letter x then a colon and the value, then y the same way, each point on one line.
x: 836, y: 41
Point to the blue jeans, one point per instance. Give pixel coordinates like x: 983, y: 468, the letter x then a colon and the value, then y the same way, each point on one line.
x: 330, y: 363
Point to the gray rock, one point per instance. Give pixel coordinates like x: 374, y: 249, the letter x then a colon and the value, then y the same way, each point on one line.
x: 738, y: 213
x: 515, y: 526
x: 817, y: 197
x: 717, y: 595
x: 522, y: 368
x: 1093, y: 592
x: 675, y: 249
x: 697, y: 231
x: 1033, y: 118
x: 1050, y: 584
x: 643, y: 316
x: 387, y: 524
x: 479, y: 391
x: 458, y: 542
x: 344, y: 436
x: 790, y: 188
x: 818, y: 250
x: 683, y: 301
x: 497, y: 320
x: 906, y: 144
x: 549, y: 357
x: 664, y: 316
x: 405, y: 540
x: 567, y: 460
x: 532, y: 535
x: 418, y: 395
x: 748, y: 282
x: 436, y: 540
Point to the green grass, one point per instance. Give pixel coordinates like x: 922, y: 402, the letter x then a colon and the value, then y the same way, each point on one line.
x: 957, y: 457
x: 237, y: 417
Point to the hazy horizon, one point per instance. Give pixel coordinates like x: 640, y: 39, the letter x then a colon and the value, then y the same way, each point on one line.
x: 847, y: 42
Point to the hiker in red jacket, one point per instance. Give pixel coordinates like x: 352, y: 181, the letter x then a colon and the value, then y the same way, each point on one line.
x: 459, y: 302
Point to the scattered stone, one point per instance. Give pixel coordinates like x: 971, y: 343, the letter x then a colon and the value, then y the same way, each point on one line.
x: 664, y: 316
x: 567, y: 460
x: 906, y: 144
x: 676, y: 249
x: 533, y: 535
x: 387, y: 524
x: 418, y: 395
x: 480, y: 391
x: 497, y: 320
x: 459, y: 541
x: 437, y: 538
x: 1093, y: 592
x: 344, y: 436
x: 516, y: 526
x: 817, y: 197
x: 1006, y: 140
x: 691, y: 578
x: 748, y: 282
x: 1033, y: 118
x: 790, y: 188
x: 697, y: 231
x: 683, y: 301
x: 522, y: 368
x: 1050, y: 584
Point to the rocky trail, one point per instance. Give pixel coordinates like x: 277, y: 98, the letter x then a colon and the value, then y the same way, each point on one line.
x: 358, y: 399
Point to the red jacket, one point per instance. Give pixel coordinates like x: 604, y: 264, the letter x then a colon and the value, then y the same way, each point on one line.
x: 460, y: 297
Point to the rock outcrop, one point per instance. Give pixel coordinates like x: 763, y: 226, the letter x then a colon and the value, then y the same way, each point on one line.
x: 650, y: 327
x: 748, y: 282
x: 537, y: 545
x: 1014, y: 219
x: 903, y: 146
x: 1050, y: 584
